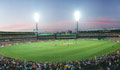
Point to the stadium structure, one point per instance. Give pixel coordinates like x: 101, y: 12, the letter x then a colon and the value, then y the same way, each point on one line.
x: 113, y: 34
x: 103, y: 61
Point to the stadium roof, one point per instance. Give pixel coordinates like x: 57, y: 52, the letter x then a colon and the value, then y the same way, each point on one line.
x: 46, y: 33
x: 17, y: 31
x: 101, y: 29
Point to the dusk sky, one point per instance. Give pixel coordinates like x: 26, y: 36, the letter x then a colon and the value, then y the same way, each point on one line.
x: 58, y: 15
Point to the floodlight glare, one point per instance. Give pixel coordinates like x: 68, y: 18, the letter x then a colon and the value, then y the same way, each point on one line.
x: 77, y: 15
x: 36, y: 17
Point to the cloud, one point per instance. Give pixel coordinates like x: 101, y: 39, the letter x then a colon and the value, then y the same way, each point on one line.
x: 17, y: 26
x: 63, y: 25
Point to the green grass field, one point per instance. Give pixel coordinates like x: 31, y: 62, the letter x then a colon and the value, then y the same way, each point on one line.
x: 59, y: 50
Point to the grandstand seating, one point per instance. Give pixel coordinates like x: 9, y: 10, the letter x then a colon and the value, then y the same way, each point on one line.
x: 97, y: 34
x: 100, y: 33
x: 46, y: 36
x: 16, y: 36
x: 65, y: 36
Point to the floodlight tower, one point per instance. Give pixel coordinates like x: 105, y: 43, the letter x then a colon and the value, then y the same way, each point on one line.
x: 36, y: 17
x: 77, y: 17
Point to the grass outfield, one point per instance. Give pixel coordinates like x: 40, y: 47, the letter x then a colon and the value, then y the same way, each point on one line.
x: 59, y: 50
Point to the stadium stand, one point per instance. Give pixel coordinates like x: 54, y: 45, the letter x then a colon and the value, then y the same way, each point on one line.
x: 97, y: 34
x: 46, y: 36
x: 16, y: 36
x: 65, y: 36
x: 8, y: 38
x: 100, y: 34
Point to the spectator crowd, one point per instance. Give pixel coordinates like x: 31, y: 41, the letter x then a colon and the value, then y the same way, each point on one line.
x: 106, y: 62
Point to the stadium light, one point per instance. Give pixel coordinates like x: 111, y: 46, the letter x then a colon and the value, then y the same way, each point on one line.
x: 36, y: 17
x: 77, y: 16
